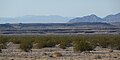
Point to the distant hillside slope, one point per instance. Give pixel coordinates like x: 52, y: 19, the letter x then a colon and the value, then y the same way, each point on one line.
x: 36, y: 19
x: 56, y: 25
x: 116, y: 24
x: 90, y: 18
x: 112, y: 18
x: 6, y: 26
x: 94, y: 18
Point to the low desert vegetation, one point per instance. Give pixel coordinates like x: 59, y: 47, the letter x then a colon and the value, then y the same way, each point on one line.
x: 79, y: 42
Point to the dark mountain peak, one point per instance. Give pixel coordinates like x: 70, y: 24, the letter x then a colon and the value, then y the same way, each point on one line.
x: 89, y: 18
x: 112, y: 18
x: 118, y: 14
x: 93, y: 15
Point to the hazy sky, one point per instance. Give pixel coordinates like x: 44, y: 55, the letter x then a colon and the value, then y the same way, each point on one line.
x: 68, y: 8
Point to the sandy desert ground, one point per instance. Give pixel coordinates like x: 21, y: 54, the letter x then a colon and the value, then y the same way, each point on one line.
x: 14, y: 53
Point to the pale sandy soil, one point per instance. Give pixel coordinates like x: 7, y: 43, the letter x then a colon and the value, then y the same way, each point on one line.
x: 93, y: 55
x: 14, y: 53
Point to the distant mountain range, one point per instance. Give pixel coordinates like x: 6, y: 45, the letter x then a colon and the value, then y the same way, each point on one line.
x: 60, y: 19
x: 58, y: 24
x: 94, y: 18
x: 36, y: 19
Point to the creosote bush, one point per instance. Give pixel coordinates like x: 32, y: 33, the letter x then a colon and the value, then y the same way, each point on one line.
x: 82, y: 45
x: 26, y: 45
x: 79, y: 42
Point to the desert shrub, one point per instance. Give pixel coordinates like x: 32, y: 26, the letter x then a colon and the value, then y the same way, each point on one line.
x: 26, y: 45
x: 115, y: 42
x: 64, y: 42
x: 41, y: 44
x: 82, y: 45
x: 103, y: 41
x: 50, y: 43
x: 3, y: 39
x: 15, y: 39
x: 62, y: 45
x: 2, y: 46
x: 79, y: 42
